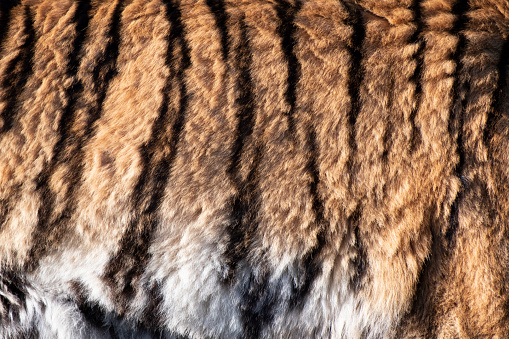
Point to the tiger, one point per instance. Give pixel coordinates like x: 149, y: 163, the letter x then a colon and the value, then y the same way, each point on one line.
x: 254, y: 169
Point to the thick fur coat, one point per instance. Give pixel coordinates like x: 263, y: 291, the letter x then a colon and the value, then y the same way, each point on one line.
x: 254, y: 169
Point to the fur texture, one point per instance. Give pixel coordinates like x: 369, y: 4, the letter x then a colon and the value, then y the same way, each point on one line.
x: 254, y: 169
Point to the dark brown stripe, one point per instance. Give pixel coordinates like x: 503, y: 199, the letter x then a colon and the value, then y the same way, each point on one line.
x: 4, y: 211
x: 416, y: 78
x: 243, y: 222
x: 387, y: 139
x: 426, y: 301
x: 6, y: 204
x: 5, y: 19
x: 158, y: 153
x: 286, y: 13
x: 457, y: 111
x: 496, y: 103
x: 218, y: 9
x: 18, y: 71
x: 69, y: 147
x: 6, y: 7
x: 459, y: 10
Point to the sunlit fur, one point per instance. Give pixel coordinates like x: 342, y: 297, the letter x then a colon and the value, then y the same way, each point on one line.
x: 254, y: 169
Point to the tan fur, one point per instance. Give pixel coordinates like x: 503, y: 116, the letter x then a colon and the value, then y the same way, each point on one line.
x: 257, y: 169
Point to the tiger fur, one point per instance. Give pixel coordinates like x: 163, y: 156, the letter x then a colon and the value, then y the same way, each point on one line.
x: 254, y: 169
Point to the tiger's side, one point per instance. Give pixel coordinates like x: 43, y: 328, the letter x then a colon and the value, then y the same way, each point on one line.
x: 254, y: 169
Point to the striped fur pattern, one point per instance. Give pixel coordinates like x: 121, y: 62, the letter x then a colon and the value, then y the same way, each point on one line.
x: 254, y: 169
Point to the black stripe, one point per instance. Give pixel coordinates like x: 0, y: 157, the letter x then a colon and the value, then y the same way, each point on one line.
x: 355, y: 49
x: 5, y: 18
x: 389, y: 127
x: 106, y: 70
x: 255, y: 309
x: 5, y: 306
x: 152, y: 316
x: 311, y: 261
x: 386, y: 139
x: 218, y: 9
x: 14, y: 286
x: 243, y: 224
x: 360, y: 261
x: 286, y: 30
x: 69, y: 147
x: 94, y: 314
x: 356, y: 72
x: 286, y: 13
x: 356, y: 76
x: 125, y: 268
x: 457, y: 111
x: 17, y: 73
x: 496, y: 102
x: 257, y: 305
x: 16, y: 76
x: 416, y: 78
x: 81, y: 19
